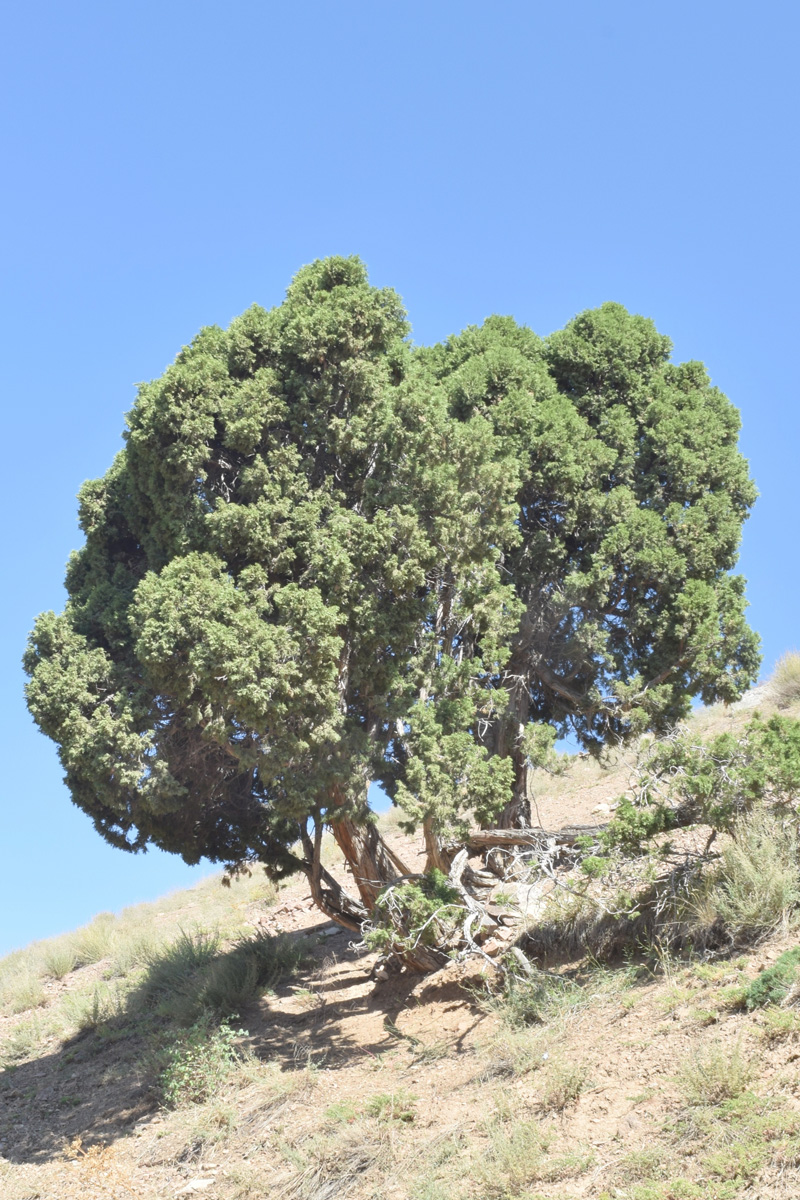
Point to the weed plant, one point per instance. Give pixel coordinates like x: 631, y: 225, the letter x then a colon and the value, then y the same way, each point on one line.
x: 534, y: 1000
x: 392, y: 1106
x: 563, y: 1084
x: 88, y: 1010
x: 23, y: 1041
x: 512, y: 1160
x: 195, y: 1063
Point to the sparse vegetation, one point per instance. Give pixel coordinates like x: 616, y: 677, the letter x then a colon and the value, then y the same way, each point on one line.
x: 721, y: 1073
x: 392, y: 1106
x: 563, y: 1084
x: 321, y: 1111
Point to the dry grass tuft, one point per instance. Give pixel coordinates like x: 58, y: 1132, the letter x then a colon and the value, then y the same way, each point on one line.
x: 721, y: 1073
x: 757, y: 886
x: 784, y: 686
x: 563, y: 1084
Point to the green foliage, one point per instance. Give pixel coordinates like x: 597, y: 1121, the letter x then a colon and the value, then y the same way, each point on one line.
x: 196, y: 1061
x: 631, y: 497
x: 324, y: 557
x: 418, y: 913
x: 681, y: 779
x: 595, y: 866
x: 771, y: 985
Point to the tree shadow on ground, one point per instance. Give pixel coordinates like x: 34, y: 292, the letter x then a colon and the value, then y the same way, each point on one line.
x: 320, y: 1007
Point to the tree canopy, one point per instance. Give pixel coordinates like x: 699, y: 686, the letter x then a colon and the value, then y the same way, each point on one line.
x: 326, y: 556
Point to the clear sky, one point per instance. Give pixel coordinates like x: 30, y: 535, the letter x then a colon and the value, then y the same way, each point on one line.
x: 166, y: 165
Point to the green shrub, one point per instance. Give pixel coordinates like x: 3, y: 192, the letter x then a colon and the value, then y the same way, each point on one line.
x: 680, y: 779
x: 771, y: 985
x: 595, y: 866
x: 196, y: 1062
x: 419, y: 913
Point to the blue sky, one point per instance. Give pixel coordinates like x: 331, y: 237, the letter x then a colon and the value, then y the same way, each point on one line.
x: 167, y: 165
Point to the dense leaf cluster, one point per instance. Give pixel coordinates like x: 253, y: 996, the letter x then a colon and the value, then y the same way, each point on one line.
x: 682, y: 780
x: 325, y: 556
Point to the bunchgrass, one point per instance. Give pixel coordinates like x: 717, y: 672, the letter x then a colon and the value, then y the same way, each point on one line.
x: 194, y: 975
x: 23, y: 1041
x: 95, y: 941
x: 88, y: 1010
x: 720, y: 1073
x: 756, y: 888
x: 784, y: 686
x: 22, y: 992
x: 59, y: 958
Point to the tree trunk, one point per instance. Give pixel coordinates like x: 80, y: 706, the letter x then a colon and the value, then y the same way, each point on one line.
x: 506, y: 740
x: 485, y: 839
x: 327, y: 893
x: 371, y: 860
x: 375, y: 865
x: 517, y: 813
x: 438, y: 857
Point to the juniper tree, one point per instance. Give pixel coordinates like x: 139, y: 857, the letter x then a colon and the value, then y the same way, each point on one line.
x: 250, y: 614
x: 629, y: 511
x: 324, y: 557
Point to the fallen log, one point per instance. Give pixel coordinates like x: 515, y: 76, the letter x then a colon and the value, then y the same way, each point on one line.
x: 485, y: 839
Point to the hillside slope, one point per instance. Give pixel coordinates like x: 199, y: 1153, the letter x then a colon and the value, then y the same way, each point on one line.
x: 647, y: 1078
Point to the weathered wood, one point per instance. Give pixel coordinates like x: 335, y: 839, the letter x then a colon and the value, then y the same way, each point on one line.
x: 371, y: 860
x: 483, y: 839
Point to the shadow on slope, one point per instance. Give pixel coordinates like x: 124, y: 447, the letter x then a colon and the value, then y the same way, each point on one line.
x: 303, y: 998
